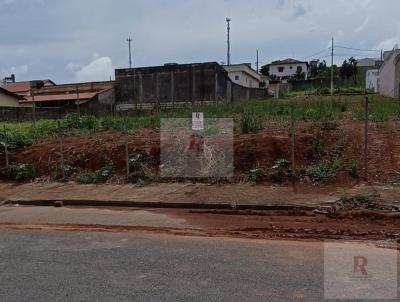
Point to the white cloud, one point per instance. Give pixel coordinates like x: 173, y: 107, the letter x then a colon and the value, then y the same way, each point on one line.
x: 362, y: 26
x: 388, y: 44
x: 98, y: 70
x: 71, y: 66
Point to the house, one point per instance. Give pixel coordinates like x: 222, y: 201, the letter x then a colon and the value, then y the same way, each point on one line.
x: 288, y: 68
x: 24, y: 88
x: 9, y: 99
x: 364, y: 65
x: 244, y: 75
x: 93, y: 97
x: 389, y: 75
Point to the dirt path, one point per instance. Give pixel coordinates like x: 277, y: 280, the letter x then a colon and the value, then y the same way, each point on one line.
x: 299, y: 225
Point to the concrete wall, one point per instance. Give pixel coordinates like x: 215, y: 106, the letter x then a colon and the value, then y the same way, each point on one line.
x: 8, y: 101
x: 388, y: 81
x: 178, y: 85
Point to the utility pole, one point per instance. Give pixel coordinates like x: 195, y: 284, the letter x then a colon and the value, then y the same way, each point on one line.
x: 332, y: 85
x: 257, y: 62
x: 129, y: 40
x: 228, y: 21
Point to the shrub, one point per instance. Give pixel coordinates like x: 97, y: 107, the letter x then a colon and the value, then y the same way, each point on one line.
x: 23, y: 172
x: 98, y: 176
x: 72, y: 120
x: 255, y: 174
x: 352, y: 168
x: 320, y: 173
x: 250, y: 123
x: 89, y: 122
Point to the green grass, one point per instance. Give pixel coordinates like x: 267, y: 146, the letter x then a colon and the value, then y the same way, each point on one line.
x: 249, y: 117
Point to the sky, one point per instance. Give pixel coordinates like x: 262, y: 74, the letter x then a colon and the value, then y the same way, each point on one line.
x: 85, y: 40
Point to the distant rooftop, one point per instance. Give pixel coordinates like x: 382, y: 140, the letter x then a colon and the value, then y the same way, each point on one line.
x: 287, y: 61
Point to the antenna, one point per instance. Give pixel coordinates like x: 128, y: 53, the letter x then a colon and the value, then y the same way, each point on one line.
x: 129, y: 40
x: 228, y: 21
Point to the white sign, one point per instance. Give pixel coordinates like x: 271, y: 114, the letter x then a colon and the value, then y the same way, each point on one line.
x: 125, y: 107
x: 198, y: 121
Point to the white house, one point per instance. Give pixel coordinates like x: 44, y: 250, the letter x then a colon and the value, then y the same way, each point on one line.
x: 244, y: 75
x: 389, y: 75
x: 288, y: 68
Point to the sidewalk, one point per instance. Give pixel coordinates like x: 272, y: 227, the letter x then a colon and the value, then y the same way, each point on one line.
x: 184, y: 195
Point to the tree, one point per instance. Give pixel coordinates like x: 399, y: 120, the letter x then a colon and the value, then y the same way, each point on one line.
x: 349, y: 70
x: 353, y: 69
x: 344, y: 70
x: 265, y: 70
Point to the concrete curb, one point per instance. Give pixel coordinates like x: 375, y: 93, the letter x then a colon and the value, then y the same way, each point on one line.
x: 170, y: 205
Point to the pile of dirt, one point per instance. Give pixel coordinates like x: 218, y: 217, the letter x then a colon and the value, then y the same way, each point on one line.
x: 313, y: 145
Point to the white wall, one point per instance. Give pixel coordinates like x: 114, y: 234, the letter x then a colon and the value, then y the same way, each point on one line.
x: 372, y: 79
x: 8, y: 101
x: 387, y: 76
x: 288, y: 69
x: 243, y: 79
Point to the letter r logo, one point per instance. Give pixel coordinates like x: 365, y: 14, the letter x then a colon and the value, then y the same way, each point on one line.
x: 360, y: 264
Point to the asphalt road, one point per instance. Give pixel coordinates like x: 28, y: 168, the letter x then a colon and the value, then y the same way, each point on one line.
x: 73, y: 266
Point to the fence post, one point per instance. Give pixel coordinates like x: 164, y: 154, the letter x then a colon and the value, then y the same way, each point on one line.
x: 61, y: 138
x: 33, y: 109
x: 366, y: 139
x: 78, y: 110
x: 293, y: 138
x: 128, y: 173
x: 6, y: 150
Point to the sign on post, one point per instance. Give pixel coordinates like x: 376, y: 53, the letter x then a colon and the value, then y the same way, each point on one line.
x: 198, y: 121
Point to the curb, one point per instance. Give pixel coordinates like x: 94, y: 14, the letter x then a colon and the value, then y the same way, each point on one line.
x: 163, y: 205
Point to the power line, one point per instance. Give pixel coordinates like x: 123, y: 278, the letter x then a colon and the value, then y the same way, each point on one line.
x: 317, y: 53
x: 357, y: 49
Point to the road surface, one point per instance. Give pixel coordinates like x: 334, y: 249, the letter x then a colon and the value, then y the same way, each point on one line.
x: 82, y: 266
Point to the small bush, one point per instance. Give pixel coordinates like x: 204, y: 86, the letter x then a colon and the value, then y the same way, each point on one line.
x: 99, y: 176
x: 250, y: 123
x: 89, y: 122
x: 72, y: 120
x: 255, y: 174
x: 352, y: 168
x: 24, y: 172
x: 320, y: 173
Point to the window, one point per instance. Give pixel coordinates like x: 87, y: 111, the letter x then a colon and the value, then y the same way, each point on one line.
x: 291, y: 67
x: 236, y: 78
x: 281, y: 69
x: 299, y: 69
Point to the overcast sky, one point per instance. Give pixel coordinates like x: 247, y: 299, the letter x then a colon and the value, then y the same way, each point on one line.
x: 84, y: 40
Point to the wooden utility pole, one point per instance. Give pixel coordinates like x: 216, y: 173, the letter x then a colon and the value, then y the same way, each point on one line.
x: 366, y: 139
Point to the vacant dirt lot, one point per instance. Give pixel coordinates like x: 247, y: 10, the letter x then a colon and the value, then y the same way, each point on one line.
x: 315, y: 144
